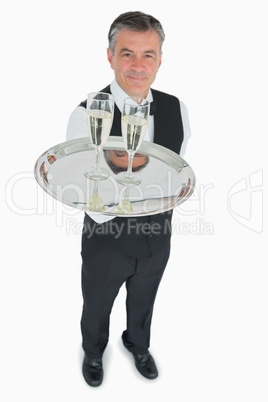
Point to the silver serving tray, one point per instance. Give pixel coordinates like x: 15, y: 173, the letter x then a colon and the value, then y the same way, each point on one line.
x: 167, y: 179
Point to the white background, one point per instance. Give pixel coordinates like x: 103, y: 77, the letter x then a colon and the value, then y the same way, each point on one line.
x: 209, y: 334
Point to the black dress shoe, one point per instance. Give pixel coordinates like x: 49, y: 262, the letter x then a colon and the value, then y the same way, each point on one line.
x: 92, y: 371
x: 144, y: 363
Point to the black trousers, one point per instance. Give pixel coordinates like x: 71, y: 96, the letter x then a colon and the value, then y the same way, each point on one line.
x: 104, y: 271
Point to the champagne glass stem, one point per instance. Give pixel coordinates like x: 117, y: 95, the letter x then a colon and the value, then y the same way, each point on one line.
x: 97, y: 167
x: 126, y: 195
x: 96, y: 188
x: 130, y: 161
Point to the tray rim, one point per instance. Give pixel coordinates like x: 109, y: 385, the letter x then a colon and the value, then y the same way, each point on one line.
x: 114, y: 142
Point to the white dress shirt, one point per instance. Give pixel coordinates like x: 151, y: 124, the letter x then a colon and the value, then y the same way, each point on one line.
x: 78, y: 128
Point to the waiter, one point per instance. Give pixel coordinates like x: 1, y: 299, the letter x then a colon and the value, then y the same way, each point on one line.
x: 138, y: 254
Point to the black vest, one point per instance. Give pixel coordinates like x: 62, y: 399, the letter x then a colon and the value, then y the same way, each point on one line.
x: 142, y: 236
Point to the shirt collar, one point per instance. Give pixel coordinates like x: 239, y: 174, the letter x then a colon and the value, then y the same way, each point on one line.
x: 119, y: 95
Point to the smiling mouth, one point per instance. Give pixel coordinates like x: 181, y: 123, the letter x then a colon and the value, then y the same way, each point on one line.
x: 136, y: 77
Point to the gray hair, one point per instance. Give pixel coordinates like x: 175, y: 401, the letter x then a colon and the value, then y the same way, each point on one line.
x: 134, y: 21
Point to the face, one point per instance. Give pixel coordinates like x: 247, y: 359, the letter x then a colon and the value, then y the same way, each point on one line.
x: 120, y: 159
x: 136, y: 61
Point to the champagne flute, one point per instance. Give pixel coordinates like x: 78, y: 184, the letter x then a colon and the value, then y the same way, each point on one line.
x: 134, y: 124
x: 100, y: 111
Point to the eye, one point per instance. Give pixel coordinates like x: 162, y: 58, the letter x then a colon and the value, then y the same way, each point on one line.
x: 127, y: 55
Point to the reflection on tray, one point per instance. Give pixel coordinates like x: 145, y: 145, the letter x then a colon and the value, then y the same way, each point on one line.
x: 117, y: 160
x: 126, y: 204
x: 95, y: 203
x: 124, y: 207
x: 43, y: 172
x: 167, y: 179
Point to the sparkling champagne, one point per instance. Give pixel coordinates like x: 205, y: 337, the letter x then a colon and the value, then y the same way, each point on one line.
x: 100, y: 123
x: 133, y: 131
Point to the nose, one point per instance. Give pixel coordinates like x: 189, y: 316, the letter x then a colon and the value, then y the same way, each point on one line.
x: 138, y: 64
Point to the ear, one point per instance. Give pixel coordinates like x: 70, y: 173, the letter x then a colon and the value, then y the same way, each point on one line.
x: 110, y: 58
x: 160, y: 60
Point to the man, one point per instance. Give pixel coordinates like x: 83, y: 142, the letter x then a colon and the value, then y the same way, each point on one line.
x: 138, y: 256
